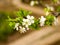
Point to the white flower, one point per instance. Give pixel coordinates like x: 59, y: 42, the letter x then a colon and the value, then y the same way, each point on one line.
x: 16, y: 26
x: 50, y: 7
x: 26, y: 22
x: 32, y: 3
x: 55, y: 21
x: 31, y: 18
x: 42, y: 21
x: 22, y: 29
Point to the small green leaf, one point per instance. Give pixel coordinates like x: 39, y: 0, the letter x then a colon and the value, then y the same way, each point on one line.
x: 23, y: 13
x: 46, y: 10
x: 11, y: 25
x: 49, y: 19
x: 35, y: 25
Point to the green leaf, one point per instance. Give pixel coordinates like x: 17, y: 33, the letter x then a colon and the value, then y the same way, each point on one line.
x: 23, y: 13
x: 49, y: 20
x: 11, y: 24
x: 46, y: 9
x: 5, y: 29
x: 20, y: 20
x: 35, y: 25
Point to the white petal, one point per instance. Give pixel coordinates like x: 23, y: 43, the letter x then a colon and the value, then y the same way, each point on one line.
x: 32, y: 3
x: 17, y: 28
x: 16, y: 25
x: 52, y: 9
x: 27, y: 20
x: 32, y: 17
x: 29, y: 23
x: 28, y: 16
x: 22, y: 30
x: 24, y: 20
x: 42, y: 19
x: 26, y: 25
x: 23, y: 23
x: 32, y: 21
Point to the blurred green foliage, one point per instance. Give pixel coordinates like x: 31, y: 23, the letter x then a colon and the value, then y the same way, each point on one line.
x: 7, y: 22
x: 23, y: 13
x: 5, y: 30
x: 49, y: 20
x: 35, y: 25
x: 58, y: 8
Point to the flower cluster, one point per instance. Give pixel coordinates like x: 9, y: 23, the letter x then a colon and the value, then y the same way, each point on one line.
x: 24, y: 21
x: 19, y: 28
x: 30, y: 21
x: 25, y: 24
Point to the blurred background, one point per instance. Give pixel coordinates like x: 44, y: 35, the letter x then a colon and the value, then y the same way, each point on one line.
x: 49, y: 35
